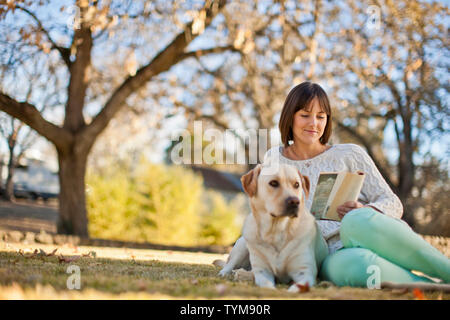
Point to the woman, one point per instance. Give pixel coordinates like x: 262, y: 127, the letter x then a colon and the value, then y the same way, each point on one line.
x: 371, y: 240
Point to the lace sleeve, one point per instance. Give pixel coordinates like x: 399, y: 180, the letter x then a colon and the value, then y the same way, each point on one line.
x: 375, y: 191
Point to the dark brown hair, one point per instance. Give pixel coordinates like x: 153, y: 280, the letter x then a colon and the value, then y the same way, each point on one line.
x: 299, y: 98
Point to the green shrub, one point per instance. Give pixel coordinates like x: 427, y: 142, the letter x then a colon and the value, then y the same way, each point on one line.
x: 220, y: 223
x: 172, y: 201
x: 159, y: 204
x: 112, y: 205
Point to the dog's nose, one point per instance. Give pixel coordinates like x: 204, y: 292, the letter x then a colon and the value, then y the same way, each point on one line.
x: 292, y: 205
x: 292, y: 202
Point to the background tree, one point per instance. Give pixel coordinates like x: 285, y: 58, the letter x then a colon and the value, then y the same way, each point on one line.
x: 381, y: 65
x: 274, y: 48
x: 40, y: 82
x: 432, y: 210
x: 387, y: 76
x: 94, y: 23
x: 18, y: 141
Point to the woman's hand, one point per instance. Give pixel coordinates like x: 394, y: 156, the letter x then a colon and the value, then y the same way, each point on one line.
x: 343, y: 209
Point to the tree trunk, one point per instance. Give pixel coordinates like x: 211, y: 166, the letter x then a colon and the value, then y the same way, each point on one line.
x: 72, y: 197
x: 9, y: 185
x: 1, y: 173
x: 406, y: 167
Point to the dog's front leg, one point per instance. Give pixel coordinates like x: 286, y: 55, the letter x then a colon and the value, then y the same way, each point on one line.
x: 302, y: 278
x: 261, y: 270
x: 305, y: 274
x: 239, y: 257
x: 264, y: 278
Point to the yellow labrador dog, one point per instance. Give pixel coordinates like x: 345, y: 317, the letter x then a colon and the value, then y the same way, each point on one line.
x: 280, y: 238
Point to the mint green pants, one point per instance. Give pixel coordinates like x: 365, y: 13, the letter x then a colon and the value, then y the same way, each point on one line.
x: 376, y: 245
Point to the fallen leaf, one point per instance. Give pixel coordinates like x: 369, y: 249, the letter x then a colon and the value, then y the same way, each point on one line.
x: 92, y: 254
x: 419, y: 294
x: 25, y: 255
x: 62, y: 259
x: 302, y: 288
x: 52, y: 253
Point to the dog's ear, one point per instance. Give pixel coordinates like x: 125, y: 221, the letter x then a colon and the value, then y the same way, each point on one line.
x: 249, y: 180
x: 305, y: 184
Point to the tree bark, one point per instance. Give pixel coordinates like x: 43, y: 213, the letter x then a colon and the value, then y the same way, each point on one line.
x: 72, y: 197
x: 406, y: 169
x: 9, y: 185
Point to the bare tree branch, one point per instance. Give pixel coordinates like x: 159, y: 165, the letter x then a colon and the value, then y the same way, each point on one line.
x: 168, y: 57
x: 64, y: 52
x: 28, y: 114
x: 203, y: 52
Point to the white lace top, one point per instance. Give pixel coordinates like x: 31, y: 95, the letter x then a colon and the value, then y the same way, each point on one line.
x: 344, y: 157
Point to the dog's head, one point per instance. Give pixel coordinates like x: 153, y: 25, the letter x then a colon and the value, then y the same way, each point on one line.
x: 277, y: 193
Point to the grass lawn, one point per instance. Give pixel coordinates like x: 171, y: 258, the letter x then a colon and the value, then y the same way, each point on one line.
x: 34, y: 272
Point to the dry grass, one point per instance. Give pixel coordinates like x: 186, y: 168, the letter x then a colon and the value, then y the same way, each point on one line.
x: 118, y: 273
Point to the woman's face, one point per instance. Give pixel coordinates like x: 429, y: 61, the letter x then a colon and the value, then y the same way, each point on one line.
x: 309, y: 124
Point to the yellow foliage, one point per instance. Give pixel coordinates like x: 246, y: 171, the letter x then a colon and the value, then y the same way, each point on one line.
x: 220, y: 225
x: 171, y: 199
x: 159, y: 204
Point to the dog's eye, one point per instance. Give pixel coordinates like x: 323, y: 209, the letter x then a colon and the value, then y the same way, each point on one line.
x: 274, y: 183
x: 296, y: 185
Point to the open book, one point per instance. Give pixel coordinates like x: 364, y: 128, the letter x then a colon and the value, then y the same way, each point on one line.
x: 332, y: 190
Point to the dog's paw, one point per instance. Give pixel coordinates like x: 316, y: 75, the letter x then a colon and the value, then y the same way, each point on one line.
x: 225, y: 271
x: 299, y: 288
x: 303, y: 285
x: 294, y: 288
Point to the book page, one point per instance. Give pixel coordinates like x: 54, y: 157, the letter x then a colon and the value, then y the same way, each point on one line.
x: 337, y: 185
x: 322, y: 193
x: 348, y: 190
